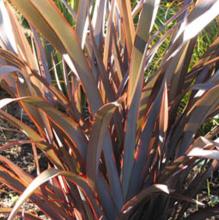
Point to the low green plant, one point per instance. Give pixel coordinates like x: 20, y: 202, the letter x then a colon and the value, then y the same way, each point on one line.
x: 118, y: 141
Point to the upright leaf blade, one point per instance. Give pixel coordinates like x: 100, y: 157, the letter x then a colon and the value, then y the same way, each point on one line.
x: 127, y: 24
x: 45, y: 16
x: 103, y: 117
x: 145, y: 24
x: 136, y: 75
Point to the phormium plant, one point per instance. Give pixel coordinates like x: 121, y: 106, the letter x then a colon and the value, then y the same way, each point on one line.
x: 121, y: 141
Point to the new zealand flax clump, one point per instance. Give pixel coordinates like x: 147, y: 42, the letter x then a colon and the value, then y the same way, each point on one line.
x: 121, y: 132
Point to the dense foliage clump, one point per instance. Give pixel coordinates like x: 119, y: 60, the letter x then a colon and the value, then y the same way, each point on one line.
x: 120, y: 97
